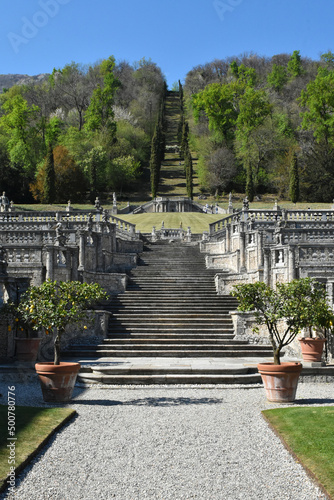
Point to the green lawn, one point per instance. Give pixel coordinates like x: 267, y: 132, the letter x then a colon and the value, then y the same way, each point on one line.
x: 308, y: 432
x: 197, y: 221
x: 33, y: 427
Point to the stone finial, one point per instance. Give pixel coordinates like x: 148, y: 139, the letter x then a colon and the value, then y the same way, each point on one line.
x: 230, y: 206
x: 97, y: 205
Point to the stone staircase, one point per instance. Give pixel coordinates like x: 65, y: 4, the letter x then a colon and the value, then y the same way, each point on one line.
x: 169, y: 310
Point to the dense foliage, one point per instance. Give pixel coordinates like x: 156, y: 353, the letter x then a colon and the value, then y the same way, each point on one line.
x: 98, y: 120
x: 254, y: 119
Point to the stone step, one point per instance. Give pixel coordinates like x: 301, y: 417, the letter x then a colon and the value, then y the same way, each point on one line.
x: 146, y: 330
x: 172, y: 320
x: 168, y: 376
x: 153, y: 316
x: 172, y: 305
x: 183, y: 353
x: 175, y: 341
x: 160, y: 335
x: 182, y: 344
x: 140, y: 294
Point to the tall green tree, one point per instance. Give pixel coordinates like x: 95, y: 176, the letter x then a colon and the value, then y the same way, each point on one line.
x: 100, y: 114
x: 50, y: 177
x: 295, y: 67
x: 220, y: 104
x: 254, y: 109
x: 318, y: 99
x: 278, y: 77
x: 294, y: 180
x: 18, y: 123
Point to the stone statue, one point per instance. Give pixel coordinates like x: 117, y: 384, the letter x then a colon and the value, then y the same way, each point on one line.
x: 89, y: 226
x: 114, y: 199
x: 245, y: 204
x: 98, y: 204
x: 4, y: 202
x: 60, y: 237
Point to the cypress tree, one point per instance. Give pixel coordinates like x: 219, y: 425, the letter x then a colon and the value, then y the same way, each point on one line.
x: 249, y: 184
x: 49, y: 185
x: 155, y: 162
x: 188, y: 164
x: 184, y: 141
x: 294, y: 180
x: 181, y: 96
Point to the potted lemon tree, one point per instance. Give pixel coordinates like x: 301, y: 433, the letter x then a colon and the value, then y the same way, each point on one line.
x: 284, y: 311
x: 50, y: 308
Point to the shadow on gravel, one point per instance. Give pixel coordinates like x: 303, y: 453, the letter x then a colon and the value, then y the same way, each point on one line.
x: 150, y: 402
x: 314, y: 401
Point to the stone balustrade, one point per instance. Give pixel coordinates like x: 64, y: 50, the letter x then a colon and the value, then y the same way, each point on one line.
x: 264, y: 219
x: 70, y: 220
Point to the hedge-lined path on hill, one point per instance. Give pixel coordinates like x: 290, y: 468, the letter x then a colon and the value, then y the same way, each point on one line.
x: 172, y: 176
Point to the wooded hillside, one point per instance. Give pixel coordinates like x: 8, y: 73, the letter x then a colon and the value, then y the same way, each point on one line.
x: 264, y: 125
x: 82, y: 130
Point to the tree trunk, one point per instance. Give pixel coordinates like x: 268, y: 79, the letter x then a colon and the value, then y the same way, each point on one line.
x: 277, y: 357
x: 57, y: 350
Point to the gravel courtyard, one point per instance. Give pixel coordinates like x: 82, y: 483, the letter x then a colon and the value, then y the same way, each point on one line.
x: 167, y: 443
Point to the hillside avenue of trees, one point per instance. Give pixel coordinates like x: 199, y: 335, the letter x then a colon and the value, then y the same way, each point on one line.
x: 255, y: 125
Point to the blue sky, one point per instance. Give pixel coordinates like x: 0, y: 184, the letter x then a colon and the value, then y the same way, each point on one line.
x: 38, y: 35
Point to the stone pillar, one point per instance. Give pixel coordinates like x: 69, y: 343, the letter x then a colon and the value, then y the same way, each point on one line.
x: 242, y: 247
x: 74, y: 264
x: 228, y: 237
x: 81, y: 251
x: 266, y: 266
x: 291, y: 263
x: 49, y: 263
x: 260, y: 248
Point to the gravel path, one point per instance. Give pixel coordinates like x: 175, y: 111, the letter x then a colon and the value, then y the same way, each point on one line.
x: 167, y: 443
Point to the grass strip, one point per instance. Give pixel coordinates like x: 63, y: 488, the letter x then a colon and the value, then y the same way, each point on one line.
x: 33, y: 428
x: 308, y: 433
x: 197, y: 221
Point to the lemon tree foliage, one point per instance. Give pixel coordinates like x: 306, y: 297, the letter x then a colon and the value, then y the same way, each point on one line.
x: 54, y: 305
x: 285, y: 311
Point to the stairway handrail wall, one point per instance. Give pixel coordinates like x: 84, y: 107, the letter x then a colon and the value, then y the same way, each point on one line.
x: 271, y: 216
x: 78, y: 217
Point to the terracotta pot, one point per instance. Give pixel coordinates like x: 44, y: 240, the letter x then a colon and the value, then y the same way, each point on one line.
x: 280, y: 381
x: 27, y: 349
x: 57, y: 381
x: 312, y: 349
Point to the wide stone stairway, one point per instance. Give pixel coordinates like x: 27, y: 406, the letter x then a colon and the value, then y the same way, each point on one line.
x: 170, y: 310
